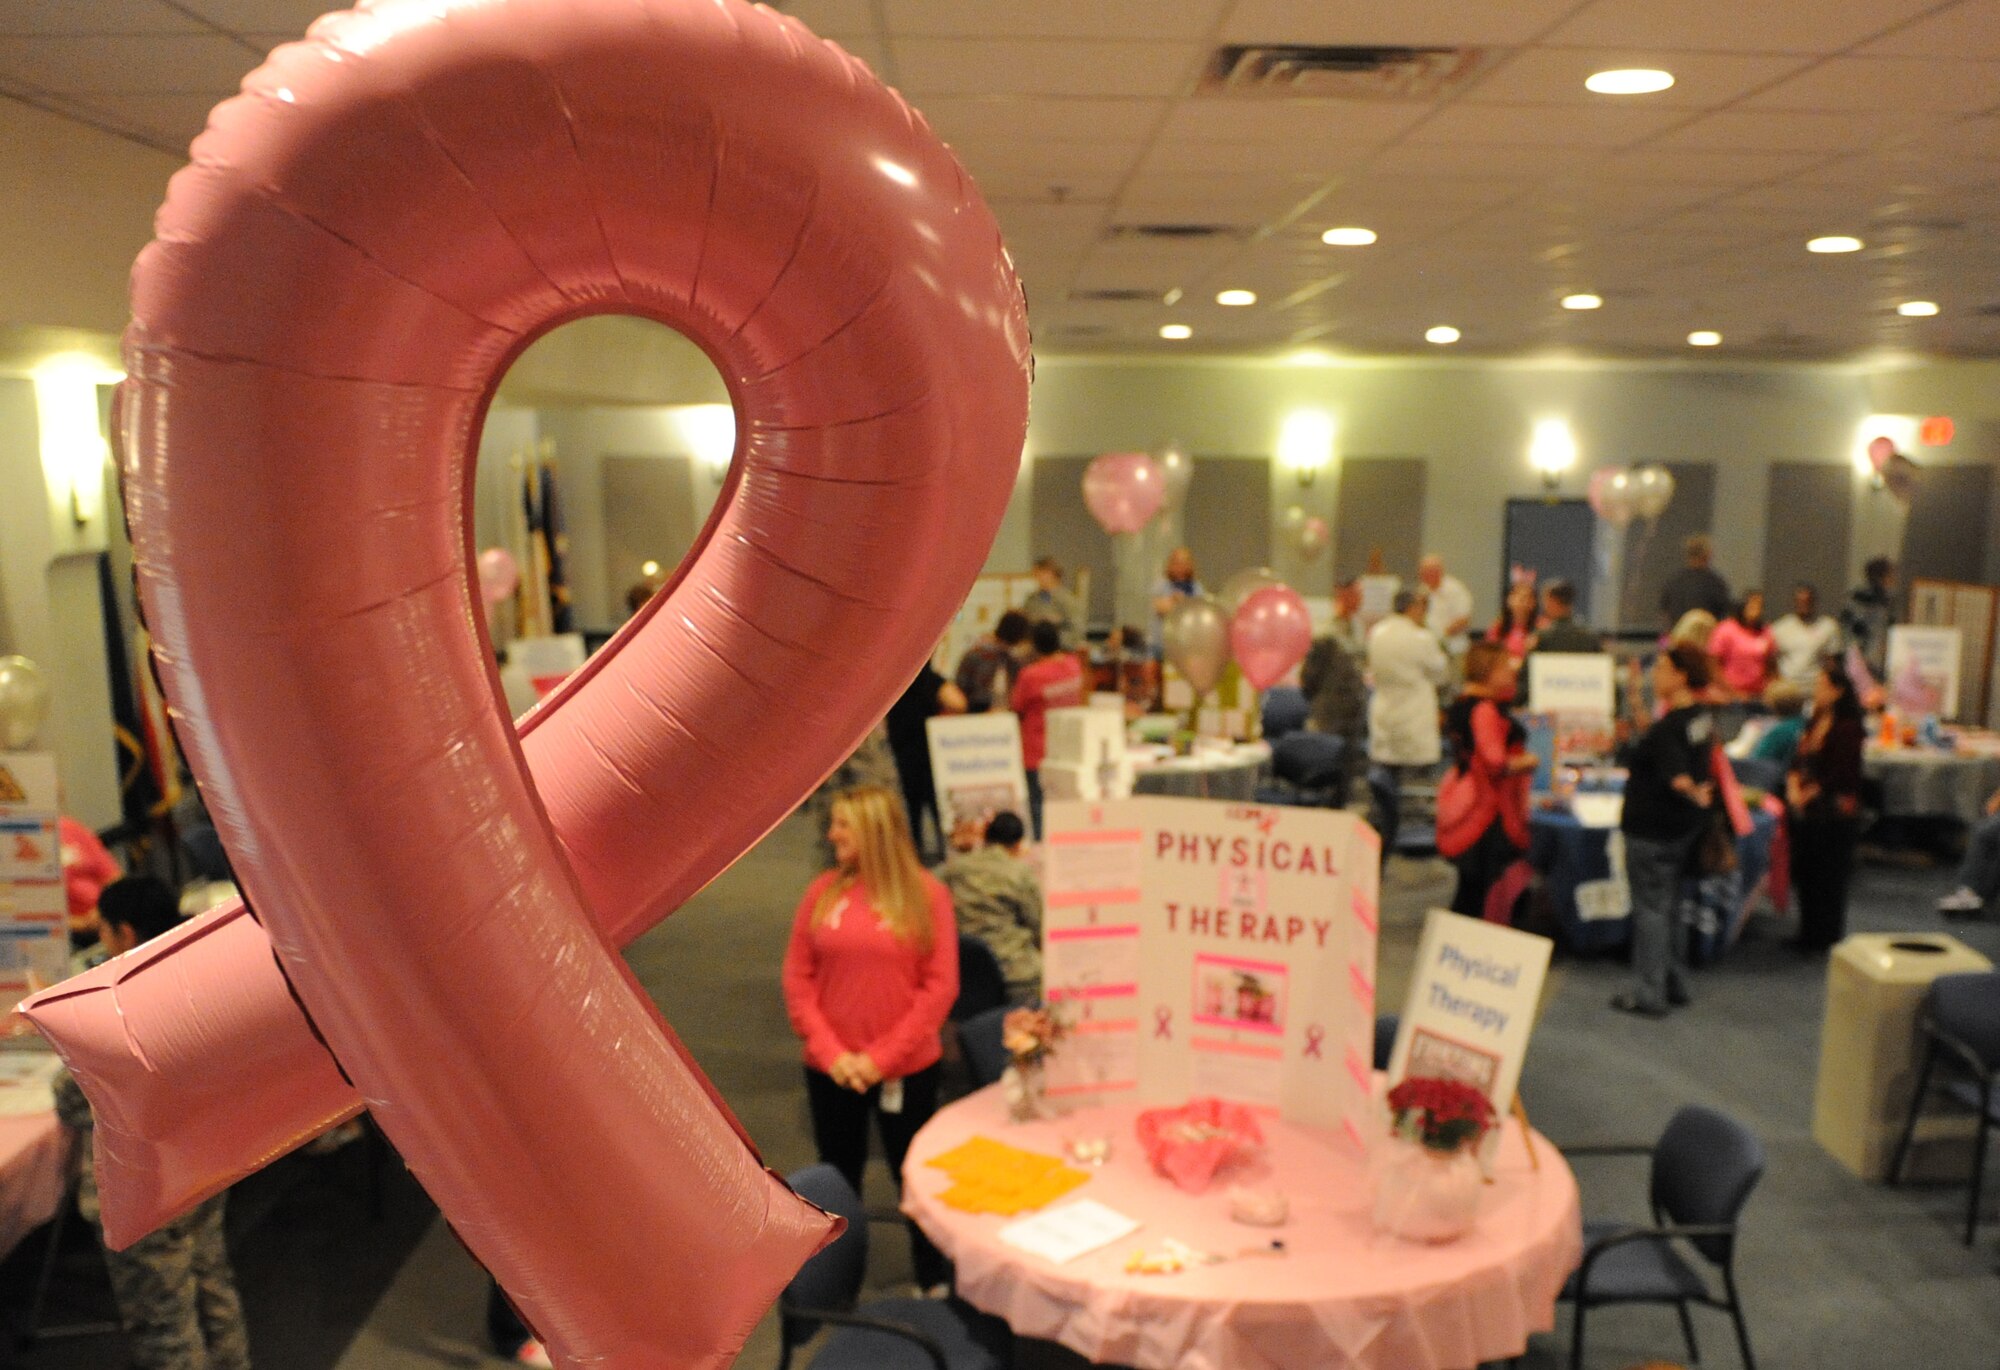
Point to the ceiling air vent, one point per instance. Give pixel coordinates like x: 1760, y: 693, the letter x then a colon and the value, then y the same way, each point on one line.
x: 1292, y: 71
x: 1177, y: 233
x: 1117, y: 296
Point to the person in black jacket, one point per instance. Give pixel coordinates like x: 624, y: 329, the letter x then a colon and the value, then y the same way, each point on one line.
x: 1669, y: 789
x: 1824, y: 798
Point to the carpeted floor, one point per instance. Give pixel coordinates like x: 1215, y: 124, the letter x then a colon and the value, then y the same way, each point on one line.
x: 1835, y: 1272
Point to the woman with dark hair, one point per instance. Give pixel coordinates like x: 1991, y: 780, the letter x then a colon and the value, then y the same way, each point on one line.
x: 1823, y: 793
x: 1515, y: 628
x: 1483, y: 805
x: 1745, y: 651
x: 1669, y: 788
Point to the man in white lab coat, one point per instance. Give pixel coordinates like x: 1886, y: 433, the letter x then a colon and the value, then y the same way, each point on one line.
x: 1408, y: 664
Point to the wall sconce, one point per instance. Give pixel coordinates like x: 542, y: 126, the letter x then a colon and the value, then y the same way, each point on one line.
x: 1903, y: 432
x: 710, y: 433
x: 1305, y: 444
x: 73, y: 449
x: 1552, y: 451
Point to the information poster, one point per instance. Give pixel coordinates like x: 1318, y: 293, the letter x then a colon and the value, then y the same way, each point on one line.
x: 1577, y: 692
x: 976, y: 767
x: 1217, y: 949
x: 990, y: 597
x: 1923, y: 671
x: 34, y: 928
x: 1471, y: 1010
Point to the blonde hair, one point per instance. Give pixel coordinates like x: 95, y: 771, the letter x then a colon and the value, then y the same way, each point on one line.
x: 1695, y: 628
x: 886, y: 865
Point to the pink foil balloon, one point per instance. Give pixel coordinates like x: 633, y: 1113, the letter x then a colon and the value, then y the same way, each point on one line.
x: 498, y: 574
x: 1123, y: 490
x: 1270, y: 634
x: 366, y: 237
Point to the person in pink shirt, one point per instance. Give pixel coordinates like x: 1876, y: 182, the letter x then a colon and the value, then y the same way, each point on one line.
x: 87, y: 869
x: 1054, y: 680
x: 870, y: 976
x: 1744, y: 649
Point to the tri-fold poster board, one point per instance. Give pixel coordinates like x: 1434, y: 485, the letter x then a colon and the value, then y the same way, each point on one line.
x: 34, y: 926
x: 1211, y: 948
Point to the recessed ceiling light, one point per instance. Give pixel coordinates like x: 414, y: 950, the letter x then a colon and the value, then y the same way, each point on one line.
x: 1236, y: 297
x: 1629, y: 81
x: 1583, y: 302
x: 1837, y: 242
x: 1442, y: 334
x: 1704, y: 337
x: 1917, y: 309
x: 1175, y: 332
x: 1348, y: 237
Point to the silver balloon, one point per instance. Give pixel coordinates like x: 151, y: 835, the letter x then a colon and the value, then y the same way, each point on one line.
x: 1244, y: 584
x: 24, y: 702
x: 1652, y: 491
x: 1295, y: 518
x: 1178, y: 467
x: 1197, y: 642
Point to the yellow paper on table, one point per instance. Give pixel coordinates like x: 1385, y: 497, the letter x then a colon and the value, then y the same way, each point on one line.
x: 993, y: 1177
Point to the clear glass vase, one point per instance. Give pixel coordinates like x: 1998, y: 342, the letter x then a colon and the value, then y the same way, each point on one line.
x: 1426, y: 1195
x: 1024, y: 1085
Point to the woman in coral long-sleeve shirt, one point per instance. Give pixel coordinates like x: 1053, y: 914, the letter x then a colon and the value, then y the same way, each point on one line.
x: 1486, y: 831
x: 870, y: 976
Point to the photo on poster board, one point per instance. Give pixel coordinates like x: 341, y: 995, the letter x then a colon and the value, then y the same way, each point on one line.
x: 1923, y: 671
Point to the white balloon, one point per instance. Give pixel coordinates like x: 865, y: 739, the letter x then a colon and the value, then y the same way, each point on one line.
x: 1178, y: 467
x: 1652, y: 491
x: 24, y: 702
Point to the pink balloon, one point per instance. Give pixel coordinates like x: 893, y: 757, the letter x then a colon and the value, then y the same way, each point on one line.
x: 1123, y: 490
x: 1880, y: 452
x: 1611, y: 495
x: 1270, y: 634
x: 363, y: 240
x: 498, y: 574
x: 1313, y: 538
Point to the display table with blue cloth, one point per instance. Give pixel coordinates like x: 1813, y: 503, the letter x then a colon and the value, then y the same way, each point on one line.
x: 1566, y: 854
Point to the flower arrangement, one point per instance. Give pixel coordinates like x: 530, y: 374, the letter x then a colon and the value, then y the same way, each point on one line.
x: 1031, y: 1034
x: 1440, y: 1114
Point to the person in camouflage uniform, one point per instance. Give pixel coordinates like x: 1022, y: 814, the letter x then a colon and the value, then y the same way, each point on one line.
x: 176, y: 1293
x: 998, y: 899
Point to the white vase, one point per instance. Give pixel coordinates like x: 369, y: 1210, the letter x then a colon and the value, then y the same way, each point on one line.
x: 1423, y: 1195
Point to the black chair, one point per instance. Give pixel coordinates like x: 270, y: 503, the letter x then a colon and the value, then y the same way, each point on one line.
x: 1758, y: 773
x: 981, y: 986
x: 980, y: 1042
x: 1704, y: 1167
x: 1308, y: 770
x: 882, y: 1334
x: 1285, y: 711
x: 1961, y: 1025
x: 1385, y: 1039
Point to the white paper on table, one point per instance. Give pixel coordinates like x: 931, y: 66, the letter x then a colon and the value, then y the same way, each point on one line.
x: 26, y: 1082
x: 1062, y: 1234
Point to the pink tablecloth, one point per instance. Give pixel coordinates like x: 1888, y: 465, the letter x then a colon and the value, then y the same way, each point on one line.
x: 34, y: 1149
x: 1342, y: 1296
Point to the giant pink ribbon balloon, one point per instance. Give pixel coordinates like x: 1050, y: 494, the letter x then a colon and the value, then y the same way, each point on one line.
x: 367, y: 236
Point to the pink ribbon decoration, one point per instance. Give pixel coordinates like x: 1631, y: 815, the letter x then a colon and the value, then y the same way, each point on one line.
x: 1163, y: 1023
x: 1358, y: 1068
x: 1315, y: 1037
x: 1362, y: 987
x: 1364, y: 911
x: 365, y: 238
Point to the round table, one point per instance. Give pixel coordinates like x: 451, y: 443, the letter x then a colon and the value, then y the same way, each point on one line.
x: 1215, y: 775
x: 1919, y: 783
x: 1342, y: 1295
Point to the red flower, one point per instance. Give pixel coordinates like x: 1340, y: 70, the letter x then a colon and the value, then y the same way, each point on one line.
x: 1441, y: 1113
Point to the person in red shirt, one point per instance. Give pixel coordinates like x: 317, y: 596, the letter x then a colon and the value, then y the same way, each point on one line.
x: 87, y: 869
x: 870, y: 976
x: 1483, y: 830
x: 1053, y: 681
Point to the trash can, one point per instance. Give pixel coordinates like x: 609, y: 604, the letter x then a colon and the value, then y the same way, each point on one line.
x: 1869, y: 1052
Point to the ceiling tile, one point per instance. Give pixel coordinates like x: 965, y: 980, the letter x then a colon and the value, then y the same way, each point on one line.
x: 1169, y: 19
x: 1969, y: 30
x: 1718, y: 168
x: 1296, y: 122
x: 1826, y: 26
x: 1887, y: 83
x: 1744, y: 130
x: 260, y: 16
x: 170, y: 119
x: 833, y: 18
x: 1415, y: 23
x: 1543, y: 126
x: 1040, y: 186
x: 52, y: 18
x: 1171, y: 155
x: 1702, y: 80
x: 956, y: 66
x: 127, y: 64
x: 1054, y: 119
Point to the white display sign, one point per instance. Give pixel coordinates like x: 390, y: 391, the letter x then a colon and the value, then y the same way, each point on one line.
x: 1215, y: 948
x: 976, y: 766
x: 1471, y: 1009
x: 1923, y: 671
x: 34, y: 926
x: 1577, y: 691
x: 1087, y: 757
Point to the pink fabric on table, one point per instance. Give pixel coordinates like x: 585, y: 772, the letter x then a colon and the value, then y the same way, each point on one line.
x: 1344, y: 1295
x: 34, y: 1160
